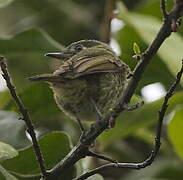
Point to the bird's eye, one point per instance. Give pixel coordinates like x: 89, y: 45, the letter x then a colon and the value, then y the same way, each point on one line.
x: 78, y: 47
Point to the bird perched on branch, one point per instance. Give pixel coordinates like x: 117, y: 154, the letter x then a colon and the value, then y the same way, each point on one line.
x: 89, y: 81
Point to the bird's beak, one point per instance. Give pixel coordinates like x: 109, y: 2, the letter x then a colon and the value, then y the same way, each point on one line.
x: 62, y: 56
x: 46, y: 77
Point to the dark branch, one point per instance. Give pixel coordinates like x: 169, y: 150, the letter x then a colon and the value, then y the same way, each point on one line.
x: 154, y: 153
x: 163, y: 8
x: 164, y: 108
x: 81, y: 149
x: 25, y: 115
x: 105, y: 29
x: 99, y: 156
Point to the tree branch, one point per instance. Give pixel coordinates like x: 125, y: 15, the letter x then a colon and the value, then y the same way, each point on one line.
x: 25, y: 115
x: 163, y: 8
x: 81, y: 149
x: 157, y: 145
x: 105, y: 29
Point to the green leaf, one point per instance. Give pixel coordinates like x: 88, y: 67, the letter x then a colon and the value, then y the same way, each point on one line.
x: 4, y: 3
x: 9, y: 123
x: 55, y: 17
x: 31, y: 41
x: 144, y: 116
x: 5, y: 175
x: 25, y: 53
x: 147, y: 28
x: 175, y: 127
x: 136, y: 48
x: 7, y: 151
x: 54, y: 146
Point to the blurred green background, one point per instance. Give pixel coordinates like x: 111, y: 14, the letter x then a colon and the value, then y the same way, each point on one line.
x: 31, y: 28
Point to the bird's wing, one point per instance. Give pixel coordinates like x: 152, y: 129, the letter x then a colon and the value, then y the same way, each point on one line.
x: 91, y: 65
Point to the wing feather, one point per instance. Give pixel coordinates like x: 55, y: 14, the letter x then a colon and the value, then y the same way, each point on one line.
x: 91, y: 65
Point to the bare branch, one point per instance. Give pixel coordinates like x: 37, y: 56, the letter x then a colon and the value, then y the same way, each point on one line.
x: 154, y: 153
x: 99, y: 156
x: 164, y: 108
x: 163, y: 8
x: 105, y: 31
x: 25, y: 115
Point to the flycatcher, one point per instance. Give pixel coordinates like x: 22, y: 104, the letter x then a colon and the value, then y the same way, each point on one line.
x: 89, y: 81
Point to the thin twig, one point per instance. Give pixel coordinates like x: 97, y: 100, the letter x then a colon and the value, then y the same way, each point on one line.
x: 162, y: 112
x: 25, y: 115
x: 163, y: 8
x: 154, y: 153
x: 105, y: 29
x: 100, y: 156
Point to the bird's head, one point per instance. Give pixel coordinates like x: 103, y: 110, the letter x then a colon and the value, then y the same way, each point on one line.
x: 81, y: 49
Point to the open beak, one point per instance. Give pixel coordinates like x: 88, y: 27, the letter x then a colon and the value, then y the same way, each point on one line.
x: 47, y: 77
x: 61, y: 56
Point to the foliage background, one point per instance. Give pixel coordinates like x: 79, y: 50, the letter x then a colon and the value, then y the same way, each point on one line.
x: 31, y: 28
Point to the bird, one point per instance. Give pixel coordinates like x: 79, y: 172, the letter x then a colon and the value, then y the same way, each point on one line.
x: 88, y: 83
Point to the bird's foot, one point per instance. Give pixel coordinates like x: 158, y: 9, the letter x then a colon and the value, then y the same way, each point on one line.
x: 130, y: 75
x: 98, y: 113
x: 82, y: 129
x: 84, y: 135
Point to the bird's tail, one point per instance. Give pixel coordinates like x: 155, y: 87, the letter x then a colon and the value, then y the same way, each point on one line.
x: 47, y: 77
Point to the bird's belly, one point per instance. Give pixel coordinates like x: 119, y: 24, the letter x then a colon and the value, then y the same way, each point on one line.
x: 83, y: 110
x: 77, y: 97
x: 74, y: 101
